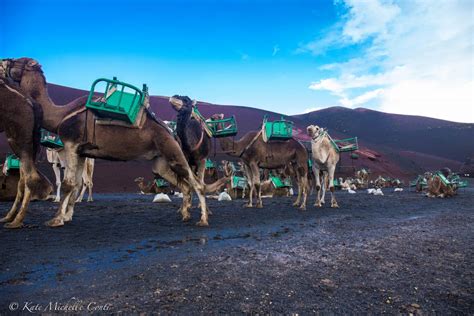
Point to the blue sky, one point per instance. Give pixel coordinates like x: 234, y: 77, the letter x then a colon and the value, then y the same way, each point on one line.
x: 284, y: 56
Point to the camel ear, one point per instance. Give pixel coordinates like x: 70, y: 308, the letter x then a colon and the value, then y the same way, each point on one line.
x: 32, y: 63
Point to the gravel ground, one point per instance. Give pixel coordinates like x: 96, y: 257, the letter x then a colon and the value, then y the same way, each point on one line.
x: 398, y: 253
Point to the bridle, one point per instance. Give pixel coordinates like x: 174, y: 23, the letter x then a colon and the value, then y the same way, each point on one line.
x: 8, y: 64
x: 321, y: 134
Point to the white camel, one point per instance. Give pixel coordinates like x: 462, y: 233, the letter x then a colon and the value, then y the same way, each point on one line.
x: 57, y: 158
x: 325, y: 157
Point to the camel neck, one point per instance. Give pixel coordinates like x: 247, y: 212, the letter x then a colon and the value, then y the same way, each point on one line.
x: 231, y: 148
x: 52, y: 113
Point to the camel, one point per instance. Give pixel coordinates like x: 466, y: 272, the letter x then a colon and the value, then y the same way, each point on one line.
x: 195, y: 142
x: 148, y: 188
x: 363, y: 177
x: 325, y: 158
x: 58, y: 161
x: 256, y: 153
x: 20, y: 120
x: 438, y: 188
x: 83, y: 137
x: 380, y: 182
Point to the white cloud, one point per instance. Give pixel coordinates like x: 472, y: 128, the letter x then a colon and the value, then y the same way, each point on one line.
x: 418, y: 57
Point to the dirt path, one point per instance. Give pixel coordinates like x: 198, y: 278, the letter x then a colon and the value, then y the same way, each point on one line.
x: 393, y: 253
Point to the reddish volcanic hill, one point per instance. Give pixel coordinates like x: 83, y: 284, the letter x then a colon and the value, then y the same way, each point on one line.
x: 392, y: 145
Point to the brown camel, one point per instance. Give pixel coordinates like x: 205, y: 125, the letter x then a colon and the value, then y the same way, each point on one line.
x: 256, y: 153
x: 20, y: 120
x: 325, y: 158
x: 82, y: 137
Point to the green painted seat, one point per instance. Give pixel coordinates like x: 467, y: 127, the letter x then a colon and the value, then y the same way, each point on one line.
x: 210, y: 164
x: 223, y: 128
x: 161, y: 183
x: 347, y: 144
x: 12, y: 162
x: 278, y: 183
x: 50, y: 140
x: 120, y: 100
x: 239, y: 182
x: 278, y: 130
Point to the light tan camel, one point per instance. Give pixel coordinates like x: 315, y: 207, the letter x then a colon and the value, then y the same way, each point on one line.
x: 325, y: 158
x: 82, y: 137
x: 437, y: 188
x: 57, y: 159
x: 256, y: 153
x: 363, y: 176
x: 20, y: 120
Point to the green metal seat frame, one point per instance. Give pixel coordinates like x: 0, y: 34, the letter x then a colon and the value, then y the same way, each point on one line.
x: 347, y: 144
x: 161, y: 183
x: 226, y: 127
x: 210, y: 164
x: 116, y: 103
x: 12, y: 162
x: 238, y: 182
x: 50, y: 140
x: 278, y: 130
x: 279, y: 183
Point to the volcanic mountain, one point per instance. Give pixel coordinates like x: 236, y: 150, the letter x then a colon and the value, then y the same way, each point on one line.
x: 390, y: 144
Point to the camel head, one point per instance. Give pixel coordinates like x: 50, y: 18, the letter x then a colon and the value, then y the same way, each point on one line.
x: 139, y: 179
x: 216, y: 117
x: 314, y: 131
x: 25, y: 73
x: 178, y: 102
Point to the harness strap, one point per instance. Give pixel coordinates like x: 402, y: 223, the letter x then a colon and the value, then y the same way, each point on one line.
x: 251, y: 143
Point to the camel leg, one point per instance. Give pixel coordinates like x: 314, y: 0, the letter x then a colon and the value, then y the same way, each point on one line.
x: 31, y: 182
x: 201, y: 169
x: 317, y: 186
x: 83, y: 190
x: 57, y: 175
x: 77, y: 184
x: 18, y: 198
x: 303, y: 187
x: 324, y: 185
x: 68, y: 185
x: 250, y: 180
x: 161, y: 167
x: 89, y: 197
x: 298, y: 198
x: 18, y: 221
x: 256, y: 184
x: 331, y: 170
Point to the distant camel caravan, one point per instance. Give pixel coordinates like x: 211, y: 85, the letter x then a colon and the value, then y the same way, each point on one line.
x: 20, y: 120
x: 83, y: 137
x: 256, y: 153
x: 56, y: 157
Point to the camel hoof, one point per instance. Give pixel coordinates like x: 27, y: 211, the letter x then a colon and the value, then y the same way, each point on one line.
x: 13, y: 225
x: 318, y: 205
x: 67, y: 218
x: 6, y: 219
x: 248, y: 205
x: 259, y: 205
x: 296, y: 204
x: 334, y: 205
x: 55, y: 222
x: 202, y: 223
x: 302, y: 208
x: 91, y: 200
